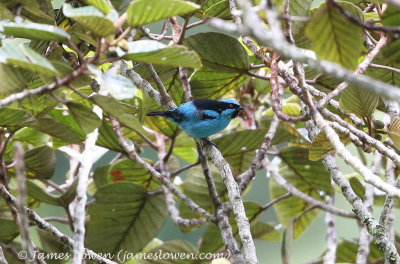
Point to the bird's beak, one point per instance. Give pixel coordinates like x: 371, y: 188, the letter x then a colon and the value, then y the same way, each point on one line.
x: 240, y: 108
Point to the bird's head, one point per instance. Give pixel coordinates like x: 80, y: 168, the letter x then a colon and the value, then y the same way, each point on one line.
x: 231, y: 108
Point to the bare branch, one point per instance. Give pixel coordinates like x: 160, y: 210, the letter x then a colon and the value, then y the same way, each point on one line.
x: 358, y: 22
x: 42, y: 89
x: 221, y: 214
x: 23, y: 224
x: 141, y: 83
x: 40, y: 223
x: 236, y: 201
x: 280, y: 198
x: 331, y: 242
x: 381, y: 238
x: 166, y: 99
x: 377, y: 66
x: 365, y: 237
x: 83, y: 178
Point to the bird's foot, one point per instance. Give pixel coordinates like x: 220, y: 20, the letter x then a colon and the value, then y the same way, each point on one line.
x: 207, y: 141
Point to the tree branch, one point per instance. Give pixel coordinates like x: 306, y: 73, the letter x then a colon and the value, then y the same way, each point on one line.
x: 81, y: 197
x: 40, y: 223
x: 299, y: 194
x: 22, y: 220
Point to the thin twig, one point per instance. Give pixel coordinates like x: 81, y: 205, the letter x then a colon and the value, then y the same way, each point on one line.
x: 331, y: 241
x: 378, y: 66
x: 42, y: 89
x: 23, y: 224
x: 252, y: 74
x: 277, y: 199
x: 358, y: 22
x: 40, y: 223
x: 299, y: 194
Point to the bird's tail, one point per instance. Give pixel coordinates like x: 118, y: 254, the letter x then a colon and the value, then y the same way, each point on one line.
x: 156, y: 113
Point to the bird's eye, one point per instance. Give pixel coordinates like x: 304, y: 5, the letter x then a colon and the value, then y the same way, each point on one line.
x: 231, y: 105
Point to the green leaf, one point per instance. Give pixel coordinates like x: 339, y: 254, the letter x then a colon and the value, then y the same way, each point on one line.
x: 33, y: 31
x: 392, y: 51
x: 347, y: 252
x: 292, y: 207
x: 172, y: 248
x: 195, y: 187
x: 12, y: 79
x: 299, y: 8
x: 162, y: 125
x: 285, y: 132
x: 127, y: 170
x: 58, y: 130
x: 212, y: 84
x: 40, y: 162
x: 70, y: 194
x: 220, y: 9
x: 90, y: 18
x: 312, y: 173
x: 357, y: 187
x: 51, y: 244
x: 394, y: 131
x: 36, y: 192
x: 100, y: 176
x: 9, y: 230
x: 101, y: 5
x: 107, y: 138
x: 85, y: 117
x: 238, y: 148
x: 321, y: 146
x: 391, y: 16
x: 64, y: 69
x: 78, y: 35
x: 219, y: 52
x: 118, y: 86
x: 124, y: 113
x: 266, y: 232
x: 14, y: 118
x: 13, y: 52
x: 384, y: 75
x: 32, y: 136
x: 40, y: 11
x: 334, y: 37
x: 40, y: 105
x: 151, y: 51
x: 291, y: 109
x: 358, y: 101
x: 287, y: 243
x: 141, y: 12
x: 122, y: 213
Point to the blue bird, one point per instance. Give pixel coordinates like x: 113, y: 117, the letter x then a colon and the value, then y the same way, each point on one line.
x: 202, y: 118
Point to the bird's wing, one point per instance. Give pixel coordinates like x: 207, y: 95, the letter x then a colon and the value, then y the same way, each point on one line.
x: 207, y: 114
